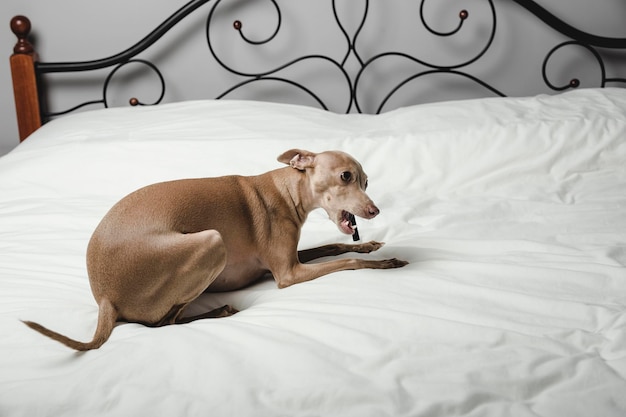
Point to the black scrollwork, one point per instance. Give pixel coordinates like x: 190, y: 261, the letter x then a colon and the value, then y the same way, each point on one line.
x: 353, y: 78
x: 463, y: 15
x: 574, y: 82
x: 104, y: 102
x: 239, y: 27
x: 272, y: 74
x: 351, y: 41
x: 433, y: 67
x: 133, y: 101
x: 116, y: 60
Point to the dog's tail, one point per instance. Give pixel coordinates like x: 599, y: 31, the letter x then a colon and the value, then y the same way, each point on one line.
x: 107, y: 316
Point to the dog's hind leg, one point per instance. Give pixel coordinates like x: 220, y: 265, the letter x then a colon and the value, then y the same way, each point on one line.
x: 224, y: 311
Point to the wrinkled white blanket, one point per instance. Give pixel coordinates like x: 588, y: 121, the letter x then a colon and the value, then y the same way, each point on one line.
x: 511, y: 212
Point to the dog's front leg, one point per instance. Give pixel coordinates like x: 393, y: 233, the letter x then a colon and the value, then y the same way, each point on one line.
x: 335, y: 249
x: 300, y: 272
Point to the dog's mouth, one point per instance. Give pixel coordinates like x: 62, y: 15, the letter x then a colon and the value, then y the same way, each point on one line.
x: 345, y: 223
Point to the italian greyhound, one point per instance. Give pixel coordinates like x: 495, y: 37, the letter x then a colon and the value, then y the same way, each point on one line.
x: 163, y: 245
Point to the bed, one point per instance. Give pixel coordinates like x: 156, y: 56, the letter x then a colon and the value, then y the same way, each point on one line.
x: 511, y: 211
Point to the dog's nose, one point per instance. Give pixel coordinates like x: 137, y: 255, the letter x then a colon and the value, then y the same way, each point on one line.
x: 372, y: 210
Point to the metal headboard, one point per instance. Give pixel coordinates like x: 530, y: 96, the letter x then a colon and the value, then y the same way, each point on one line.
x: 594, y: 44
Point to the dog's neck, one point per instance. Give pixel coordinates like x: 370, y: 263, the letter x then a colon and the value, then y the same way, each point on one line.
x: 293, y: 186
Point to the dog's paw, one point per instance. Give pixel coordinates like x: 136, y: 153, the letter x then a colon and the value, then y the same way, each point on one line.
x: 394, y: 263
x: 369, y: 247
x: 228, y: 311
x: 223, y: 311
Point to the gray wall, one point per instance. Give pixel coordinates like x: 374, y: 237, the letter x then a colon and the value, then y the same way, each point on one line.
x: 82, y: 30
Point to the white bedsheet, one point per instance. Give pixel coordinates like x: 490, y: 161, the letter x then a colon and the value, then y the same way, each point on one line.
x: 511, y: 212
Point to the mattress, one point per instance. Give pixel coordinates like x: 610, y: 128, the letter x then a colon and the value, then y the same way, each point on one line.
x: 510, y: 211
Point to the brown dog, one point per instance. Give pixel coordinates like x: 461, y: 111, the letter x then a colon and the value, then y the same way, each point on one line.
x: 161, y: 246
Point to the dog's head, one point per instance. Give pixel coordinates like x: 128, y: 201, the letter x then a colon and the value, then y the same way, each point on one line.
x: 338, y: 184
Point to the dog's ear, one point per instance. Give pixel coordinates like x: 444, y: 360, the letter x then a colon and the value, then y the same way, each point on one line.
x: 298, y: 159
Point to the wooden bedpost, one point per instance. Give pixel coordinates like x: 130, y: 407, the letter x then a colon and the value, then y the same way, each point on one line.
x: 24, y: 79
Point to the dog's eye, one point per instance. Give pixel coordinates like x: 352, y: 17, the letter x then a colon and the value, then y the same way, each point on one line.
x: 346, y: 176
x: 366, y: 184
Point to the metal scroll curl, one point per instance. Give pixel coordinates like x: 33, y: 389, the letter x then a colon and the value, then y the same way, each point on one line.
x: 104, y: 101
x: 133, y: 101
x: 273, y: 74
x: 574, y: 82
x: 463, y: 15
x: 433, y: 68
